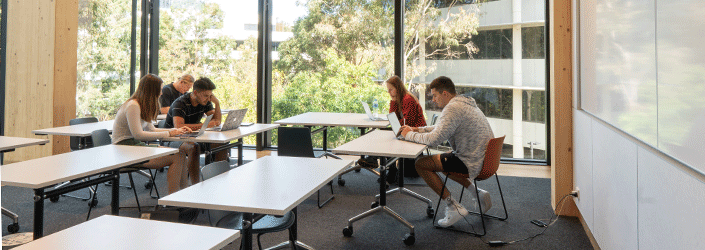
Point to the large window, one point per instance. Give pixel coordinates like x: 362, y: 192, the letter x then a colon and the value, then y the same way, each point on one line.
x: 215, y: 39
x: 103, y: 67
x: 331, y: 56
x: 498, y: 63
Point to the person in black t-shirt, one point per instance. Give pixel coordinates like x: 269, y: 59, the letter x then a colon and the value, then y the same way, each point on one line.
x: 174, y: 90
x: 188, y: 110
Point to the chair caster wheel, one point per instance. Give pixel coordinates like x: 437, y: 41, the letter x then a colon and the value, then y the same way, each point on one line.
x: 148, y: 185
x: 430, y: 212
x: 54, y: 198
x: 13, y: 228
x: 409, y: 239
x: 357, y: 170
x: 93, y: 203
x: 347, y: 231
x: 374, y: 204
x: 341, y: 182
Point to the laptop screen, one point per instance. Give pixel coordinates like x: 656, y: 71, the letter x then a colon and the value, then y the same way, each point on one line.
x: 394, y: 121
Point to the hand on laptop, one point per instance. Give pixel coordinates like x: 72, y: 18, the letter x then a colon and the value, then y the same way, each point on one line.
x: 406, y: 129
x: 179, y: 131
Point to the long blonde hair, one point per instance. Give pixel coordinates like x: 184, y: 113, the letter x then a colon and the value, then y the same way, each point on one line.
x: 147, y: 96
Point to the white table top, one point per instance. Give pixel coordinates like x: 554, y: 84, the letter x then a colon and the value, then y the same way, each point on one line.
x: 226, y: 136
x: 381, y: 143
x: 7, y: 142
x: 114, y: 232
x: 269, y: 185
x: 46, y: 171
x: 84, y: 129
x: 333, y: 120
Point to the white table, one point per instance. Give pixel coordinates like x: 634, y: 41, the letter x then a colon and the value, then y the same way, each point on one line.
x: 226, y: 137
x: 114, y: 232
x: 270, y: 185
x: 40, y: 174
x: 81, y: 130
x: 384, y: 144
x: 325, y: 120
x: 9, y: 144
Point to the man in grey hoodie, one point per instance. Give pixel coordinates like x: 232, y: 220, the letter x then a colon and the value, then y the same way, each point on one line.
x: 467, y: 130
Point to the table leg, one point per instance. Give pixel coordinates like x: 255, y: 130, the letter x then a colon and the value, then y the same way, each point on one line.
x: 409, y: 239
x: 247, y: 231
x: 293, y: 241
x: 402, y: 190
x: 115, y: 199
x: 239, y: 152
x: 325, y: 139
x: 38, y: 213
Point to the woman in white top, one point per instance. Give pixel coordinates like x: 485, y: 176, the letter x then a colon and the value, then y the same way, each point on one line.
x: 134, y: 124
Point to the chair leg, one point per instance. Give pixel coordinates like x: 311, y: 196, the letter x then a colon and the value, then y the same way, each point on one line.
x: 482, y: 217
x: 132, y: 183
x: 154, y: 184
x: 504, y: 205
x: 90, y: 203
x: 259, y: 243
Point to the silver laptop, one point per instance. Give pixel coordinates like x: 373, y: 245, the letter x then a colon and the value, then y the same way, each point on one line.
x: 200, y: 131
x: 396, y: 126
x: 233, y: 120
x: 369, y: 114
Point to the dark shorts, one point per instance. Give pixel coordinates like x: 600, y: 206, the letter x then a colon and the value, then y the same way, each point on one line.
x: 451, y: 163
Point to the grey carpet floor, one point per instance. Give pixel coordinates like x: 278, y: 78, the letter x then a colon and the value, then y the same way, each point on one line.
x: 526, y: 199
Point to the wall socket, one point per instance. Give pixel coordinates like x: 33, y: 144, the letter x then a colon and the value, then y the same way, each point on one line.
x: 576, y: 193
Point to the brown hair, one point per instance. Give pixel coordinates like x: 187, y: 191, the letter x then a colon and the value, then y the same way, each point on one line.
x: 147, y: 96
x: 443, y: 83
x: 396, y: 82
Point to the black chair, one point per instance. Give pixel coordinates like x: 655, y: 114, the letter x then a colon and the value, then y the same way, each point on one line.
x: 232, y: 220
x: 296, y: 142
x: 78, y: 143
x: 101, y: 137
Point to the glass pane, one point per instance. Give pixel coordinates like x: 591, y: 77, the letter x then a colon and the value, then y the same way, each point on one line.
x: 215, y: 39
x: 330, y: 56
x: 502, y: 65
x: 103, y: 68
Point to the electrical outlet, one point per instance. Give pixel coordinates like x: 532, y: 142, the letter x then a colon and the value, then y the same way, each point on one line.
x: 576, y: 193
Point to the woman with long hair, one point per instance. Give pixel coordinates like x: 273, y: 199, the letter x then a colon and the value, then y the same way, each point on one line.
x: 134, y: 124
x: 404, y: 104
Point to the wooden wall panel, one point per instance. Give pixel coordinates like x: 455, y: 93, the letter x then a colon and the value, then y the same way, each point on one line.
x: 561, y: 95
x: 65, y: 60
x: 30, y: 73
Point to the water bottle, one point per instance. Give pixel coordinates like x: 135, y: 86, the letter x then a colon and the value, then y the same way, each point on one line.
x: 375, y: 108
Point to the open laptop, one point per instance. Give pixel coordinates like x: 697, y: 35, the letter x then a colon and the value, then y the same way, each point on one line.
x: 396, y: 126
x: 233, y: 120
x: 200, y: 131
x: 369, y: 113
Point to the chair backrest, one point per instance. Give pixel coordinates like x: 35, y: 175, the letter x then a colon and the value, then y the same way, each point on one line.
x: 213, y: 169
x: 492, y: 155
x: 74, y: 140
x: 434, y: 119
x: 295, y: 141
x: 100, y: 137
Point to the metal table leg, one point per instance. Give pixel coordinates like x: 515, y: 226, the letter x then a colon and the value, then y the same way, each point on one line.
x: 402, y: 190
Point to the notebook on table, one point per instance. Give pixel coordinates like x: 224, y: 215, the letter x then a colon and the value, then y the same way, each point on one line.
x: 233, y: 121
x: 396, y: 126
x: 369, y: 113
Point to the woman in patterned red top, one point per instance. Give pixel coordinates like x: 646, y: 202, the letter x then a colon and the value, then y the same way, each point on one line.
x: 410, y: 108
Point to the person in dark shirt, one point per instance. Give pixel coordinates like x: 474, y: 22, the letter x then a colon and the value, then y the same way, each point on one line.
x: 189, y: 109
x: 174, y: 90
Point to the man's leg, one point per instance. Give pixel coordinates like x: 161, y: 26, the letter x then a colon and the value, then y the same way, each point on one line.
x: 427, y: 168
x: 221, y: 155
x: 192, y: 164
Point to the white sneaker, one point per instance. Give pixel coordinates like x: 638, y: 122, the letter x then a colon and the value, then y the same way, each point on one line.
x: 486, y: 201
x: 454, y: 212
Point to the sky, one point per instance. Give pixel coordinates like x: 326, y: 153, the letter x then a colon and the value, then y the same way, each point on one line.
x: 240, y: 12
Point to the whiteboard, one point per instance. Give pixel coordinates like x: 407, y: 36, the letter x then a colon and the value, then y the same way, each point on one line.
x: 642, y: 67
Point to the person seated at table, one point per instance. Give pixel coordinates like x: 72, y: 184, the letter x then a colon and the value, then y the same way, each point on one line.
x: 410, y: 114
x: 464, y: 125
x: 134, y: 124
x: 174, y: 90
x: 189, y: 109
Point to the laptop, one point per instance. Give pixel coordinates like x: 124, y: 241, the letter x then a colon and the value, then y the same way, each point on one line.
x: 369, y: 114
x: 233, y: 120
x: 396, y: 126
x: 200, y: 131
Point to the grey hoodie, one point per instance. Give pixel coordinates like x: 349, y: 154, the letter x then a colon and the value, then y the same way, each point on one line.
x: 465, y: 127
